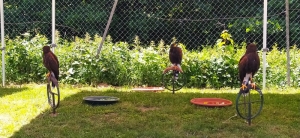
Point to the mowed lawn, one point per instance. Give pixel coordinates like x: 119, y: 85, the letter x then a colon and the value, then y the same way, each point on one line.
x: 25, y: 113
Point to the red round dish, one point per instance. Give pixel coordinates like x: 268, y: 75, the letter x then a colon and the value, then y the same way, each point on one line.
x: 212, y: 102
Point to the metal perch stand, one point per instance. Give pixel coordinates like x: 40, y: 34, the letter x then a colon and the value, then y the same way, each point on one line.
x: 248, y: 105
x: 173, y: 80
x: 53, y: 94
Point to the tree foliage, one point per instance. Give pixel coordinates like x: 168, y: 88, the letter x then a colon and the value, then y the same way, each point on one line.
x: 195, y: 23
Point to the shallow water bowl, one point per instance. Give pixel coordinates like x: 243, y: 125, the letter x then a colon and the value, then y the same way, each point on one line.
x: 148, y: 89
x: 100, y: 100
x: 211, y: 102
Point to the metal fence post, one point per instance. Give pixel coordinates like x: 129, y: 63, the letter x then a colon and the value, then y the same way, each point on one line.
x: 53, y: 24
x: 287, y: 25
x: 265, y: 18
x: 107, y: 26
x: 2, y: 42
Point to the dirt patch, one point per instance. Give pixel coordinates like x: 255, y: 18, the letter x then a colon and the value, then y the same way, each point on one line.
x: 112, y: 114
x: 145, y: 109
x: 103, y: 85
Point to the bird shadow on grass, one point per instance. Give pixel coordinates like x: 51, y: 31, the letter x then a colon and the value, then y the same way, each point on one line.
x: 9, y: 91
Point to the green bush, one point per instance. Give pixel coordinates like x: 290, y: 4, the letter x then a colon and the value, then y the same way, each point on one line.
x: 133, y: 64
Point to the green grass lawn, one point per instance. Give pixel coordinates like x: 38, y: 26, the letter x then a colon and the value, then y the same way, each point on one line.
x: 25, y: 113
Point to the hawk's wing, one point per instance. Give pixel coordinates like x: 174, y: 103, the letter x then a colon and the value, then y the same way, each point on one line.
x: 249, y: 63
x: 243, y: 67
x: 175, y: 55
x: 51, y: 63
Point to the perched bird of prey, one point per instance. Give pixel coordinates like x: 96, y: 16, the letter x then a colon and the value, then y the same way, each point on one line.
x: 50, y: 61
x: 175, y: 56
x: 248, y: 65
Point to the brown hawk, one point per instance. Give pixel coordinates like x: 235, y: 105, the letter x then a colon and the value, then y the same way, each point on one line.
x: 248, y: 65
x: 50, y: 61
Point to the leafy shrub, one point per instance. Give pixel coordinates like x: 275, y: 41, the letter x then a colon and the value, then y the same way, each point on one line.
x: 23, y: 59
x: 134, y: 64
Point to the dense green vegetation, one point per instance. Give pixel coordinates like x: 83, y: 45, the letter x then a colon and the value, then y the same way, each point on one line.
x: 195, y: 23
x: 135, y: 64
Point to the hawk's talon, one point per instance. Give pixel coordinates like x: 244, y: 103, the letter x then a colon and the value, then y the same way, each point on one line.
x: 253, y: 86
x: 48, y: 74
x: 243, y: 87
x: 177, y: 69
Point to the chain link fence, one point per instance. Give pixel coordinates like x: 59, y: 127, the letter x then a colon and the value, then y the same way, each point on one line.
x: 194, y: 23
x: 73, y: 17
x: 295, y: 22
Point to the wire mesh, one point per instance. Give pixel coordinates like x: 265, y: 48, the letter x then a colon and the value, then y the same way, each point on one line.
x: 23, y: 17
x: 194, y: 23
